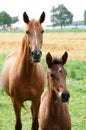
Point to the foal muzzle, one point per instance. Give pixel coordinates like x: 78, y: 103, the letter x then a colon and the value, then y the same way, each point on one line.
x: 65, y: 97
x: 36, y: 55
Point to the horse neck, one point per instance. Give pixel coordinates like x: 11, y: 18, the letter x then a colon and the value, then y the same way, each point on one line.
x: 24, y: 58
x: 54, y: 103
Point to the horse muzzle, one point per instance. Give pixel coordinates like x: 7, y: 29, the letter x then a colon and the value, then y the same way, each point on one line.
x: 65, y: 97
x: 36, y: 55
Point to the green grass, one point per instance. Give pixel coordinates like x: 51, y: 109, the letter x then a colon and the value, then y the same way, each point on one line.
x: 76, y: 82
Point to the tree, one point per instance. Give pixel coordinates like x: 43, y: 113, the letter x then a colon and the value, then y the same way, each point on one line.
x: 15, y: 19
x: 61, y: 16
x: 5, y: 18
x: 85, y: 17
x: 53, y: 16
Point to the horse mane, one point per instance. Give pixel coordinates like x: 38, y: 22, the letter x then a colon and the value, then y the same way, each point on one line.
x: 56, y: 61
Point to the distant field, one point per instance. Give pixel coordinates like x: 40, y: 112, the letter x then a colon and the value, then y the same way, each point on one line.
x: 56, y: 43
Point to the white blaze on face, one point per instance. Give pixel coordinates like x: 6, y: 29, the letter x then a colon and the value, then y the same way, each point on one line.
x: 60, y: 69
x: 60, y: 93
x: 35, y: 37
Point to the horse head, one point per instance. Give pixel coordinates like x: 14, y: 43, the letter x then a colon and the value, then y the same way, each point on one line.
x: 34, y: 33
x: 57, y: 76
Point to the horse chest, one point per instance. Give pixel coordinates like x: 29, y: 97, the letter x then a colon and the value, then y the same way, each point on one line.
x: 61, y: 118
x: 54, y: 117
x: 27, y: 88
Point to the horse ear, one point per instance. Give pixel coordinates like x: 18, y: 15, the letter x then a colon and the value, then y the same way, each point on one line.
x: 25, y: 18
x: 42, y: 17
x: 64, y: 58
x: 49, y: 59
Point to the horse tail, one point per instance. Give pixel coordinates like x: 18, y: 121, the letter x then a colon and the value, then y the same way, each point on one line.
x: 26, y: 108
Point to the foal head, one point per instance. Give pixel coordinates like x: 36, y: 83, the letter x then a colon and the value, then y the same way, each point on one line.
x: 57, y: 76
x: 34, y: 33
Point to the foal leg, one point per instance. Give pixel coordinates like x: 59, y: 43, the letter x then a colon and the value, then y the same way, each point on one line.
x: 35, y: 110
x: 17, y: 110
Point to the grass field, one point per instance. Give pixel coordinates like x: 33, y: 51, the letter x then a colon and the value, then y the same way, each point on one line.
x: 56, y: 43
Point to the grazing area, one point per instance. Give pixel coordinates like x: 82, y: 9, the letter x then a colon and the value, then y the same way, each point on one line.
x: 57, y: 43
x: 74, y: 43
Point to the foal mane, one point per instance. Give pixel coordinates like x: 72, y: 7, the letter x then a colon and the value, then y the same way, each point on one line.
x: 50, y: 60
x: 56, y: 61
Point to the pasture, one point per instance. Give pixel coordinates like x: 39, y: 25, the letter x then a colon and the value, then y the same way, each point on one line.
x: 57, y: 43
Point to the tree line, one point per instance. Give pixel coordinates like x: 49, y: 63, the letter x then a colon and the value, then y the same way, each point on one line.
x: 60, y: 16
x: 6, y: 20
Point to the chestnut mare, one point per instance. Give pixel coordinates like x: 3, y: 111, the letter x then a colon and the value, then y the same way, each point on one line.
x: 22, y: 75
x: 53, y: 110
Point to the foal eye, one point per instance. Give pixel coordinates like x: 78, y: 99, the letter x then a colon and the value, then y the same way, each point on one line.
x: 27, y: 32
x: 52, y: 76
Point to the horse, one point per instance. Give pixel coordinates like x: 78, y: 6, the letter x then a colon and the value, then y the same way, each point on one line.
x: 22, y: 75
x: 53, y: 111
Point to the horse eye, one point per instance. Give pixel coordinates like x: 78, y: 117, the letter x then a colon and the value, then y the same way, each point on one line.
x: 42, y: 31
x: 27, y: 32
x: 52, y: 76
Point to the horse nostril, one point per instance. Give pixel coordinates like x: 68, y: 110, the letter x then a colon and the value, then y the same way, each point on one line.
x: 39, y: 53
x: 32, y: 53
x: 36, y: 53
x: 65, y: 97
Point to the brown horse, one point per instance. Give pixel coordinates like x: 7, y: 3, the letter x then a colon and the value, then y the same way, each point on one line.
x: 22, y: 75
x: 53, y: 110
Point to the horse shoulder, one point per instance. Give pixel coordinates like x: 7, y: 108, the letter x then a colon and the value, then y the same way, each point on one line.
x: 44, y: 94
x: 44, y: 105
x: 12, y: 54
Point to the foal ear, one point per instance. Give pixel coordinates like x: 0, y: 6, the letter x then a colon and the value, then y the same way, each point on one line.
x: 49, y: 59
x: 25, y: 18
x: 42, y: 17
x: 64, y: 58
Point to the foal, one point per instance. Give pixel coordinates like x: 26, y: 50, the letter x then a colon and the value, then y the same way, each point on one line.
x: 53, y: 111
x: 22, y: 76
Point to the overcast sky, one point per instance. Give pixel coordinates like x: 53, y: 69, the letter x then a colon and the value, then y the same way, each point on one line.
x: 34, y: 8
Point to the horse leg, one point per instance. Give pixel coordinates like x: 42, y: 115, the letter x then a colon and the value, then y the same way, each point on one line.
x: 35, y: 110
x: 17, y: 110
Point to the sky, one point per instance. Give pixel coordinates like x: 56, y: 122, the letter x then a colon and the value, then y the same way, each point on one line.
x: 34, y: 8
